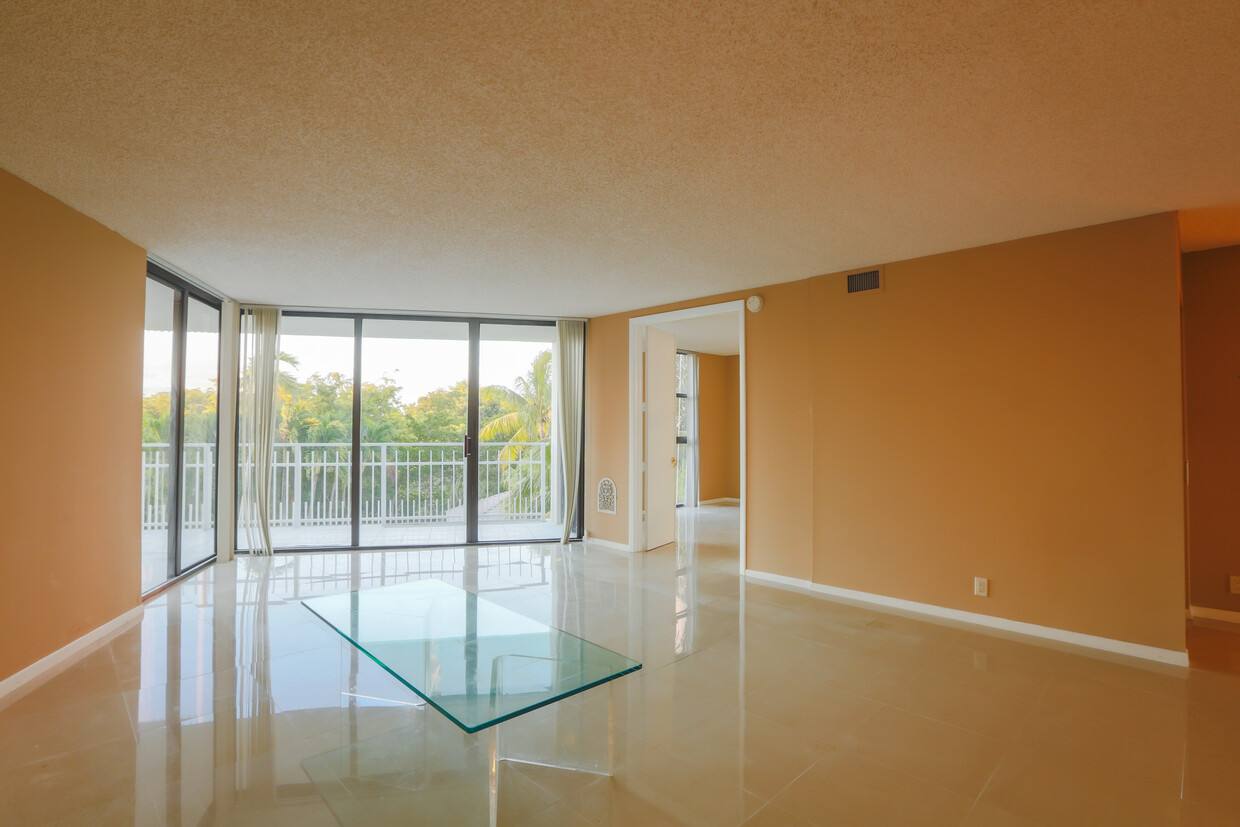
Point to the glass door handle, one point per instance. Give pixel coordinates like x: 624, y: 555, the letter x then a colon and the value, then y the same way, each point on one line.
x: 468, y: 443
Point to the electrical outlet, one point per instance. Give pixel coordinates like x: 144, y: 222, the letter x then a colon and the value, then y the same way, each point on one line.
x: 981, y: 586
x: 1235, y: 584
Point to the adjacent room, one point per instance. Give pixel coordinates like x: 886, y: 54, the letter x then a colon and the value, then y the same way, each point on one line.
x: 547, y: 413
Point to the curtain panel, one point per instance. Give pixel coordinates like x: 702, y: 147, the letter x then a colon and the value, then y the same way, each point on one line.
x: 570, y: 365
x: 257, y: 414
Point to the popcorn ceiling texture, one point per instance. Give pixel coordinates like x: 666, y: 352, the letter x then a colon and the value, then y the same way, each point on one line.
x: 581, y: 158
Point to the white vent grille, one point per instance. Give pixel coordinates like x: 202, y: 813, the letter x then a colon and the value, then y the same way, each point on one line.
x: 607, y: 496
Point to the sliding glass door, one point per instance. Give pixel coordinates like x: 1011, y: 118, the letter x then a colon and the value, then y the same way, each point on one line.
x: 180, y: 421
x: 398, y: 431
x: 200, y: 424
x: 415, y: 405
x: 312, y: 468
x: 519, y: 495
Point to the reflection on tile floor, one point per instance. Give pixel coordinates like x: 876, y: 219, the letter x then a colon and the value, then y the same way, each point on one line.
x: 230, y: 704
x: 199, y: 544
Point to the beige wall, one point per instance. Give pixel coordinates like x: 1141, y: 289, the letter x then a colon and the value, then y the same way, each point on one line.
x: 1212, y: 358
x: 70, y: 424
x: 719, y: 440
x: 1011, y: 411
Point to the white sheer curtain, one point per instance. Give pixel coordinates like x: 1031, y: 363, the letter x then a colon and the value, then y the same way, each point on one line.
x: 257, y: 414
x: 570, y: 368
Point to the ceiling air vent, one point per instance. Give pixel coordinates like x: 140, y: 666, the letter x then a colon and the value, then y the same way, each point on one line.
x: 867, y: 280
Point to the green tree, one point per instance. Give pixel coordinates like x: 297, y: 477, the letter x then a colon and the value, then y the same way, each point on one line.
x: 200, y: 418
x: 526, y: 420
x: 317, y: 410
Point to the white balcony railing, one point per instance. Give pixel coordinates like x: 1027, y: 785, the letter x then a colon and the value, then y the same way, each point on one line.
x: 402, y: 483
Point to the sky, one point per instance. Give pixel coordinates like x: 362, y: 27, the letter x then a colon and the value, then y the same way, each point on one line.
x: 417, y: 366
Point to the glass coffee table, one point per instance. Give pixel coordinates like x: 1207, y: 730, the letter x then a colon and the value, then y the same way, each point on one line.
x: 476, y: 662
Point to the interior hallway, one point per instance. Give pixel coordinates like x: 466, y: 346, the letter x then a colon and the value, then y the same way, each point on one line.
x: 230, y: 703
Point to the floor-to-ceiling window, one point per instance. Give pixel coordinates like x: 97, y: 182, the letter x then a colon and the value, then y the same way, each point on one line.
x: 180, y: 422
x: 312, y: 467
x: 415, y: 405
x: 519, y: 489
x: 402, y: 431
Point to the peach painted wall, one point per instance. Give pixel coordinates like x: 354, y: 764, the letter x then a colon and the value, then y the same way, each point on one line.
x: 779, y: 515
x: 1011, y: 411
x: 719, y: 438
x: 1212, y: 351
x: 71, y: 423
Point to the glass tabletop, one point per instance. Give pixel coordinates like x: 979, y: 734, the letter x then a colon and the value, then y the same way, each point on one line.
x: 475, y: 661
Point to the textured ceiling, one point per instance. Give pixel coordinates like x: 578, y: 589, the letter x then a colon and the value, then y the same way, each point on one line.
x: 539, y: 157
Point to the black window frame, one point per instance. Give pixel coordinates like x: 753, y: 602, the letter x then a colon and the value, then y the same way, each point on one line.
x: 185, y: 290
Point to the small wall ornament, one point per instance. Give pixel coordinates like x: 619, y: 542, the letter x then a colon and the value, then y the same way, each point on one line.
x: 607, y: 496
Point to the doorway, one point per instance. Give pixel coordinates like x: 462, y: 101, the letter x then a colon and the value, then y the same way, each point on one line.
x: 670, y: 464
x: 1210, y: 281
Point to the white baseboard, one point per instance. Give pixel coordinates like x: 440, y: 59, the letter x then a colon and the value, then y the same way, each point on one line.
x: 1106, y: 644
x: 1214, y: 614
x: 595, y: 541
x: 721, y: 501
x: 19, y: 683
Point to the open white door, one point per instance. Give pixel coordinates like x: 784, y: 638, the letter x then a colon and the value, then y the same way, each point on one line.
x: 660, y: 437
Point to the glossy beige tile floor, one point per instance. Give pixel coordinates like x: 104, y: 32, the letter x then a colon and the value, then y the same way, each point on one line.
x: 230, y: 704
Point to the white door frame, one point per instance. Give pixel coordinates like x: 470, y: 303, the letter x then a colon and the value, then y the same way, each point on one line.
x: 637, y: 339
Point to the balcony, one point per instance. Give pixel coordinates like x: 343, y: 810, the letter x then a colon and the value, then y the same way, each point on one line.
x: 411, y: 494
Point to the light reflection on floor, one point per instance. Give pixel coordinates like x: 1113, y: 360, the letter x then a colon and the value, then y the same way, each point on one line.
x: 229, y: 703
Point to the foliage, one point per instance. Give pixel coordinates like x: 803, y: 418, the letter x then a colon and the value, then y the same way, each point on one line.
x: 320, y: 409
x: 528, y: 420
x: 528, y: 406
x: 200, y: 420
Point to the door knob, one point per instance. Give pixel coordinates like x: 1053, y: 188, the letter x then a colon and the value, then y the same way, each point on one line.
x: 674, y: 460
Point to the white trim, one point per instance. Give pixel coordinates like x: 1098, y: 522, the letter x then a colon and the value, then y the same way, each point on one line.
x: 595, y: 541
x: 1215, y: 614
x: 51, y: 665
x: 1105, y: 644
x: 637, y: 326
x: 721, y: 501
x: 743, y: 447
x: 781, y: 580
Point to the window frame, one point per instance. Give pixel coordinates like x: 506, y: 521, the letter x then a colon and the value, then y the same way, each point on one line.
x: 472, y: 426
x: 185, y: 290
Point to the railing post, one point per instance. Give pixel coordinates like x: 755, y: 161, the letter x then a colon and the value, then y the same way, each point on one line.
x: 383, y: 509
x: 544, y: 501
x: 296, y: 486
x: 208, y: 486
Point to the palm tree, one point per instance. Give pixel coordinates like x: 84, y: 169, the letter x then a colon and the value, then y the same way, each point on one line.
x: 528, y: 420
